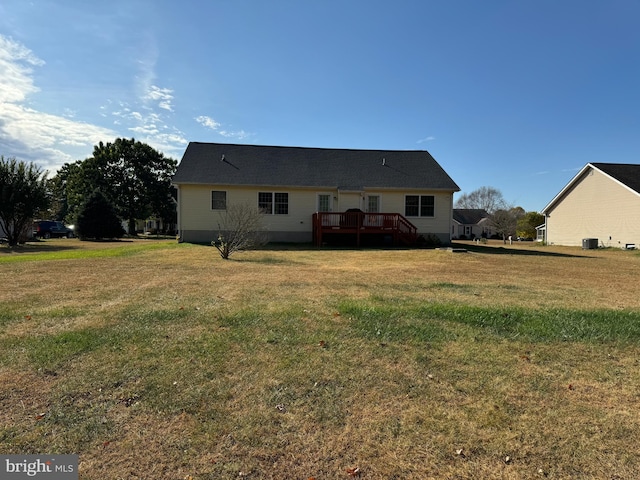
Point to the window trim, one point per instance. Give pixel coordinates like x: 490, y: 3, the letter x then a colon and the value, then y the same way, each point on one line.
x: 272, y: 203
x: 420, y: 206
x: 225, y: 200
x: 324, y: 194
x: 368, y: 205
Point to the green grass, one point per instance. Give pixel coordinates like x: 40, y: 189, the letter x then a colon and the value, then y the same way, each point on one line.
x: 428, y: 322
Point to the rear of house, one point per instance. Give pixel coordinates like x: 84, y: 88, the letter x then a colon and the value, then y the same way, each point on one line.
x: 290, y: 184
x: 600, y: 204
x: 470, y: 223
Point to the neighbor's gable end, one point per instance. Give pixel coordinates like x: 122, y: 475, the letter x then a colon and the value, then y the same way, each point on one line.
x: 601, y: 203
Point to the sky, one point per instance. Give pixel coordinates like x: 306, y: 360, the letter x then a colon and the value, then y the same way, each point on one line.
x: 517, y: 95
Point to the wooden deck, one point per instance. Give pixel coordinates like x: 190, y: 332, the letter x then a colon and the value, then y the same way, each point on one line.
x: 360, y: 226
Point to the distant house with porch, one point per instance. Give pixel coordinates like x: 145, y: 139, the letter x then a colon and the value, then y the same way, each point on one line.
x: 600, y: 204
x: 315, y: 194
x: 470, y: 223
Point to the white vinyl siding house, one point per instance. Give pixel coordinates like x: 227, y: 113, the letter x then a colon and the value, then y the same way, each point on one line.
x: 601, y: 202
x: 470, y: 223
x: 289, y: 184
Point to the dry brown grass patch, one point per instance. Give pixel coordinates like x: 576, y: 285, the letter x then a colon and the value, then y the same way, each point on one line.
x: 174, y: 363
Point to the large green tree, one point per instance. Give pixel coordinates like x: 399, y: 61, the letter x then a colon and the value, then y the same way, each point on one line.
x: 134, y: 177
x: 23, y: 193
x: 527, y: 224
x: 59, y: 207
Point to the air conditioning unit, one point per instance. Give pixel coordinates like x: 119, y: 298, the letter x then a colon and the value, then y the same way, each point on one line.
x: 589, y: 243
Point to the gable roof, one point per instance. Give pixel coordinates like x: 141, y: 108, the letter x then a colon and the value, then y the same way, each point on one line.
x: 256, y: 165
x: 469, y: 216
x: 626, y: 174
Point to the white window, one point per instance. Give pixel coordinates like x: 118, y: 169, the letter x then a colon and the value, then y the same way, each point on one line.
x: 273, y: 203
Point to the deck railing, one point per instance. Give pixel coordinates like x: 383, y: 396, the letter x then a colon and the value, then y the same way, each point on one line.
x: 402, y: 230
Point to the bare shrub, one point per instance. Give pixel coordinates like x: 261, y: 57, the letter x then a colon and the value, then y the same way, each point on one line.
x: 240, y: 228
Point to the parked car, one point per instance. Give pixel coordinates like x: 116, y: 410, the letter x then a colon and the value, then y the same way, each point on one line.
x: 48, y: 229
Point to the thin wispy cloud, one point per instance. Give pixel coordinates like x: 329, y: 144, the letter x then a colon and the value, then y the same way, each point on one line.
x: 150, y: 127
x: 211, y: 124
x: 426, y: 139
x: 208, y: 122
x: 163, y: 97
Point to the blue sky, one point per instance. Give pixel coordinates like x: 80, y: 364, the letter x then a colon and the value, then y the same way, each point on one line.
x: 518, y: 95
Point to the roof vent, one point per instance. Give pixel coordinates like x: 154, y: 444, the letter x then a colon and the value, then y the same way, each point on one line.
x: 223, y: 159
x: 384, y: 161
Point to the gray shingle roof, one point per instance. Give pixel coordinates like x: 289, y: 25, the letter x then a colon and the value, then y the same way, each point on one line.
x: 626, y: 173
x: 255, y: 165
x: 469, y: 216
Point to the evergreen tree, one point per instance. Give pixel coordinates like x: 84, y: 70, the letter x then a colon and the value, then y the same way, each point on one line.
x: 97, y: 219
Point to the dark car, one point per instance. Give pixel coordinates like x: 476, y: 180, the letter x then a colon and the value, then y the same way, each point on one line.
x: 48, y: 229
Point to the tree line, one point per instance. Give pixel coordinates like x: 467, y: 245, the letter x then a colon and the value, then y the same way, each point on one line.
x: 505, y: 219
x: 121, y: 182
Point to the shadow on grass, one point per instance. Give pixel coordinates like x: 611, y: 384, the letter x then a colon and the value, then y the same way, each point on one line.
x: 488, y: 249
x: 265, y: 260
x: 42, y: 246
x: 35, y: 247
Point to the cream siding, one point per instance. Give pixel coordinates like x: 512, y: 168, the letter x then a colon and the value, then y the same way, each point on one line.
x: 596, y: 206
x: 198, y: 222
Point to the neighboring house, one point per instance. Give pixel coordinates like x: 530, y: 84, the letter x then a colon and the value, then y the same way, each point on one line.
x: 299, y: 188
x: 601, y: 204
x: 470, y: 223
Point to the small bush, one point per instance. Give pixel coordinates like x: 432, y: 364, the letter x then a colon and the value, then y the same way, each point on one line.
x: 428, y: 241
x: 240, y: 229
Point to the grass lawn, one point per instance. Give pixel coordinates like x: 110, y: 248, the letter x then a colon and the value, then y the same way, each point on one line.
x: 157, y: 360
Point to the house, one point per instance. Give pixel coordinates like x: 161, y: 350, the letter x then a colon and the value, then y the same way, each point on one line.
x: 470, y: 223
x: 600, y: 206
x: 312, y: 194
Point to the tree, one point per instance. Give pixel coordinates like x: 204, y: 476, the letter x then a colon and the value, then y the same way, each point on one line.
x: 97, y: 219
x: 133, y: 177
x: 59, y: 208
x: 23, y: 193
x: 504, y: 221
x: 526, y: 226
x: 240, y: 228
x: 484, y: 198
